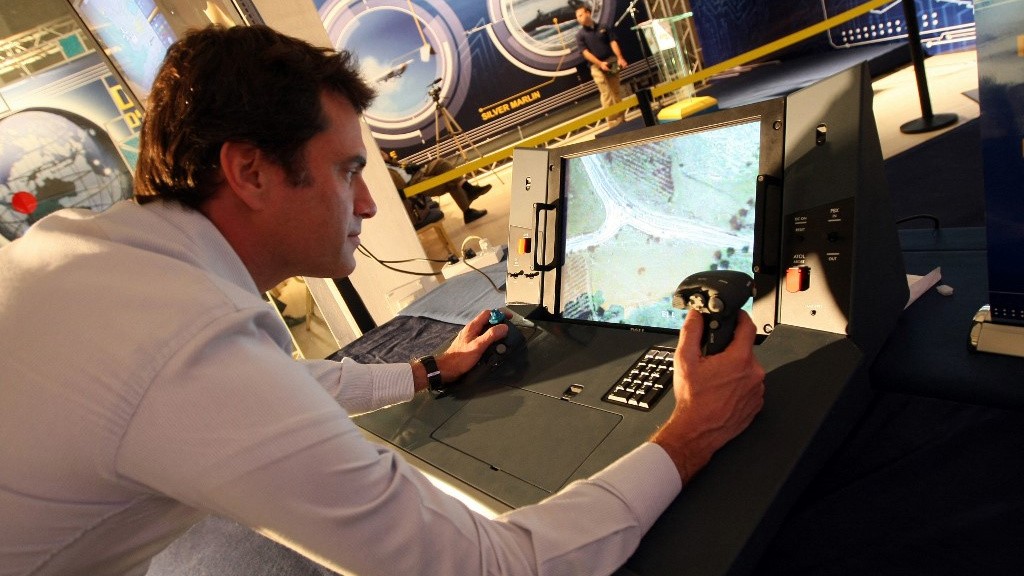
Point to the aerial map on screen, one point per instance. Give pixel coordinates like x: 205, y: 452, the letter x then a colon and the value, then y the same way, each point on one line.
x: 641, y: 218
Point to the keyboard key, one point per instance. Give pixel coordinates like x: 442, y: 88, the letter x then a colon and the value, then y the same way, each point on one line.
x: 644, y: 383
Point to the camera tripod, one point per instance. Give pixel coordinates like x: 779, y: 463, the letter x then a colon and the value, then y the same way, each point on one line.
x: 450, y: 124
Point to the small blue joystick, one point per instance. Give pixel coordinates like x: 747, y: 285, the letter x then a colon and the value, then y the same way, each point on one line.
x: 498, y: 352
x: 497, y: 317
x: 513, y: 340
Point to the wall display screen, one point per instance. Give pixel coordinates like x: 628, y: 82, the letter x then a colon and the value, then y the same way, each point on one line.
x: 135, y: 34
x: 945, y: 25
x: 68, y: 130
x: 69, y: 122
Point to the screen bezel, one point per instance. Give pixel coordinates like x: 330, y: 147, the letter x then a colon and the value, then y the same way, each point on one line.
x: 771, y: 115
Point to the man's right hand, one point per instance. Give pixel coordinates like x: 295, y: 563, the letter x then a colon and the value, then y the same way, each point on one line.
x: 716, y: 396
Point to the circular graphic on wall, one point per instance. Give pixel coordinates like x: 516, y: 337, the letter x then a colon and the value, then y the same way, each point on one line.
x: 539, y: 36
x: 52, y: 159
x: 424, y: 55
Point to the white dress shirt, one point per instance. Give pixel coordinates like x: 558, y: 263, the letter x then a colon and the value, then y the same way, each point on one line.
x: 144, y: 383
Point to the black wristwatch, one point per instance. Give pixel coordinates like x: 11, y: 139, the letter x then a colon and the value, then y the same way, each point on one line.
x: 434, y: 382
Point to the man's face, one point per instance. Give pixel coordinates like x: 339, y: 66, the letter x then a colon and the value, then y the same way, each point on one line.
x: 322, y: 218
x: 583, y: 17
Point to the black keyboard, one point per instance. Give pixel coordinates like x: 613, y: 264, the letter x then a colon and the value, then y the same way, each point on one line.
x: 646, y: 381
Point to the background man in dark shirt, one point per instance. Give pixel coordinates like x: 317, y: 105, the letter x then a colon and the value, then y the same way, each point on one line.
x: 599, y: 47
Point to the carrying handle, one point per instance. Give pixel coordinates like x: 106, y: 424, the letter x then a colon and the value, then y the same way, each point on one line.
x: 539, y: 207
x: 767, y: 224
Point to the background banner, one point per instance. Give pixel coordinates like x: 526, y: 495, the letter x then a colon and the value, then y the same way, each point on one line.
x: 493, y: 64
x: 727, y: 28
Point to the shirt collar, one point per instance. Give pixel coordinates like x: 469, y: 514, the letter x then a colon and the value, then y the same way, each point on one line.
x: 204, y: 242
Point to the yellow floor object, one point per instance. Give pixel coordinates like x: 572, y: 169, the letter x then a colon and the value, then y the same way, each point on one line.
x: 686, y: 107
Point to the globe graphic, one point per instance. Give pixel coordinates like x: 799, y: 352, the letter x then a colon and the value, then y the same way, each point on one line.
x: 52, y: 159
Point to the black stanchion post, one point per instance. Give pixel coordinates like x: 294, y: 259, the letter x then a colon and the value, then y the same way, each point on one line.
x: 644, y: 48
x: 928, y: 121
x: 643, y: 99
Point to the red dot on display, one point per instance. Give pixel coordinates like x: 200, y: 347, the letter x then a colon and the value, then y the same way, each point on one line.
x: 24, y: 202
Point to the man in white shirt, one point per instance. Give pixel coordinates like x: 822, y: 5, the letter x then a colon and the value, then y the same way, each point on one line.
x: 146, y: 384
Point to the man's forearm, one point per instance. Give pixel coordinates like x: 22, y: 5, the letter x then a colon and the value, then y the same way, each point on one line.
x: 689, y: 453
x: 615, y: 49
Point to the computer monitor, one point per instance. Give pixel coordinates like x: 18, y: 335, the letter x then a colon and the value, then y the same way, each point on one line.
x: 641, y: 215
x: 637, y: 213
x: 790, y: 190
x: 999, y: 327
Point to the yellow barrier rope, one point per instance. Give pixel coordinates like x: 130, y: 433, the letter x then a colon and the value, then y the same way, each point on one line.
x: 630, y: 101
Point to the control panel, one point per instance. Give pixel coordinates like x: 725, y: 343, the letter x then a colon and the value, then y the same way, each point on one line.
x: 817, y: 267
x: 529, y: 249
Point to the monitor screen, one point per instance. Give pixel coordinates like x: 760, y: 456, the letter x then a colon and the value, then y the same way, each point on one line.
x: 639, y: 216
x: 136, y: 36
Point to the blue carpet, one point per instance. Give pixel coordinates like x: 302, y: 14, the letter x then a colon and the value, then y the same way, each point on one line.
x: 942, y: 178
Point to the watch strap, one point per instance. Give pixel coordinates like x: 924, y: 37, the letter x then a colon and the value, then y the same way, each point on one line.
x: 434, y: 381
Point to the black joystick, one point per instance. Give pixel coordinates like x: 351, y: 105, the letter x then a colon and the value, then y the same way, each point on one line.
x: 512, y: 341
x: 718, y: 295
x: 498, y: 354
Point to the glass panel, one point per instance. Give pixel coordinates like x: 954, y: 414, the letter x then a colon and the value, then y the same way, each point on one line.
x: 136, y: 33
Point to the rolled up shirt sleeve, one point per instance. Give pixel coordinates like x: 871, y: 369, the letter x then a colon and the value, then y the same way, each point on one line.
x: 360, y: 388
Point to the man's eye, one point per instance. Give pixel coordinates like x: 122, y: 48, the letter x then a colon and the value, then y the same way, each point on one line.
x: 348, y: 172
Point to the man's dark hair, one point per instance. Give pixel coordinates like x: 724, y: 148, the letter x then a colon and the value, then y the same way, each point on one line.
x: 242, y: 84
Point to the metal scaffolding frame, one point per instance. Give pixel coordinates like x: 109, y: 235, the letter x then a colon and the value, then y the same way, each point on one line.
x: 685, y: 28
x: 33, y: 50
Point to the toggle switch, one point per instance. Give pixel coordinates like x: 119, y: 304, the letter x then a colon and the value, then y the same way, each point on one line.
x: 798, y: 278
x: 572, y: 391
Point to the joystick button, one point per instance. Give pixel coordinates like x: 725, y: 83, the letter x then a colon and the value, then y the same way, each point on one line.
x: 715, y: 304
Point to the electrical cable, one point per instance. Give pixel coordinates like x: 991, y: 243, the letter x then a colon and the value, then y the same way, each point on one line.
x: 484, y: 274
x: 366, y: 252
x: 482, y: 244
x: 386, y: 263
x: 479, y: 242
x: 935, y: 220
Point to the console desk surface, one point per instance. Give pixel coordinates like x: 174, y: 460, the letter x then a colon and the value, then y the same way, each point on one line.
x: 927, y: 482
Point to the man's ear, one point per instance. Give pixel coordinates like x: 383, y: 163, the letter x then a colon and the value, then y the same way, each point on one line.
x: 244, y: 166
